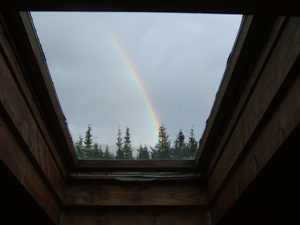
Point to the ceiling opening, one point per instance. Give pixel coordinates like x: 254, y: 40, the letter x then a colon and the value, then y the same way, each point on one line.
x: 143, y: 83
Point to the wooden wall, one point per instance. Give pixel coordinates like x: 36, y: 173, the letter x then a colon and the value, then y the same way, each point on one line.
x: 265, y: 118
x: 28, y: 149
x: 119, y: 202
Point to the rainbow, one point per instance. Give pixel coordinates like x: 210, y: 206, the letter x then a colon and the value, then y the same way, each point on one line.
x: 137, y: 80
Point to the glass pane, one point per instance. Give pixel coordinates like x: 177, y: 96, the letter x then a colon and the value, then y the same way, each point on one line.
x: 136, y: 85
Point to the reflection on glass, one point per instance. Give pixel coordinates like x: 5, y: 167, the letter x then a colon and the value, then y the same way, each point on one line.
x: 136, y: 85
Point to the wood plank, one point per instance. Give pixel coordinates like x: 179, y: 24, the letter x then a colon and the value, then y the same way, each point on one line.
x: 14, y: 66
x: 29, y: 55
x: 196, y: 6
x: 285, y: 121
x: 135, y: 194
x: 246, y: 94
x: 136, y: 165
x: 273, y: 196
x: 136, y: 176
x: 15, y: 110
x: 14, y: 157
x: 42, y: 83
x: 135, y: 215
x: 280, y: 63
x: 248, y: 46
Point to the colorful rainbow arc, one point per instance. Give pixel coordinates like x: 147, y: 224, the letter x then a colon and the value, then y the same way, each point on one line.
x: 138, y: 81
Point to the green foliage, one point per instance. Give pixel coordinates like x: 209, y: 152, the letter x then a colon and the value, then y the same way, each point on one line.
x: 179, y: 142
x: 180, y: 148
x: 143, y: 152
x: 162, y: 149
x: 127, y: 149
x: 88, y: 149
x: 95, y: 153
x: 192, y: 144
x: 107, y: 154
x: 80, y: 148
x: 184, y: 150
x: 88, y: 141
x: 120, y: 151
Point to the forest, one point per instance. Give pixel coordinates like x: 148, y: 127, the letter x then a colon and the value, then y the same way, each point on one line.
x: 87, y: 148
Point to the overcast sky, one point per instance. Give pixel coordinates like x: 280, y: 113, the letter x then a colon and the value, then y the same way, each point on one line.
x: 95, y: 58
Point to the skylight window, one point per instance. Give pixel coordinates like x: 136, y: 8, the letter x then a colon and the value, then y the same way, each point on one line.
x: 140, y: 82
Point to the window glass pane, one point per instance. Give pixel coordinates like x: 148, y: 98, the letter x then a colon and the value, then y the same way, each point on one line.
x: 128, y: 78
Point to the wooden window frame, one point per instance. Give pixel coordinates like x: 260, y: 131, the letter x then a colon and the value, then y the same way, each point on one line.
x: 38, y: 78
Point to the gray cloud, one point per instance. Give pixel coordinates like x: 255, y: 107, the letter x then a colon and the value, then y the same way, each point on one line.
x: 179, y: 57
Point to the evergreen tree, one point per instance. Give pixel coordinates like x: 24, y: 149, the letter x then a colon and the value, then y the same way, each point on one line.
x: 88, y: 140
x: 192, y: 144
x: 179, y: 142
x: 127, y: 149
x: 120, y: 151
x: 96, y: 152
x: 162, y: 149
x: 87, y: 149
x: 180, y: 149
x: 107, y: 154
x: 80, y: 148
x: 100, y: 151
x: 143, y: 152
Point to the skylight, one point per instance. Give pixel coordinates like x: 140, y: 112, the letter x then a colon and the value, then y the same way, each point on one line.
x: 136, y: 72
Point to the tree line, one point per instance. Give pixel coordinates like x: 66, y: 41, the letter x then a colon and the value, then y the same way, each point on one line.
x: 87, y: 148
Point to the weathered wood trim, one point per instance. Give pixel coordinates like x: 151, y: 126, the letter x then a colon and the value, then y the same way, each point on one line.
x: 270, y: 116
x: 247, y: 91
x: 136, y: 165
x: 268, y: 143
x: 171, y: 193
x: 25, y: 119
x: 18, y: 76
x: 259, y: 103
x: 136, y: 176
x: 287, y: 7
x: 27, y: 50
x: 14, y: 157
x: 247, y: 48
x: 29, y: 133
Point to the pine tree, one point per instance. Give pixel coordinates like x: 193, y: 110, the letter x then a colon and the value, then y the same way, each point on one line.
x: 107, y: 154
x: 179, y: 142
x: 192, y: 144
x: 127, y: 145
x: 162, y: 149
x: 143, y: 152
x: 96, y: 152
x: 88, y: 140
x: 80, y: 148
x: 180, y: 150
x: 120, y: 151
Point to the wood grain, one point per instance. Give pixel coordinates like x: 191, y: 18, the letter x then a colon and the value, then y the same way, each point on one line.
x: 16, y: 110
x: 247, y: 91
x: 259, y: 105
x: 14, y: 157
x: 136, y: 165
x: 278, y: 125
x: 20, y: 75
x: 135, y: 194
x: 29, y: 57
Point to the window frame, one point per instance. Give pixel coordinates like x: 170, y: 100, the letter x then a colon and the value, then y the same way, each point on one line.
x: 38, y: 78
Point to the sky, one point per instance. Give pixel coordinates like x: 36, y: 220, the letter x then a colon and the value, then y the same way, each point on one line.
x: 136, y: 70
